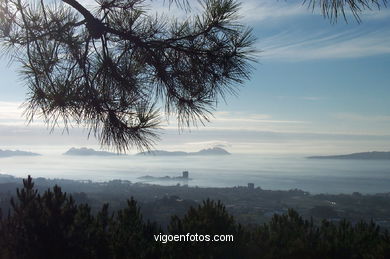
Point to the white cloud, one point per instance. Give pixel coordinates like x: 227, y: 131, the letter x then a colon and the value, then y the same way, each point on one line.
x: 254, y: 11
x: 336, y: 124
x: 229, y: 121
x: 11, y: 113
x: 299, y: 46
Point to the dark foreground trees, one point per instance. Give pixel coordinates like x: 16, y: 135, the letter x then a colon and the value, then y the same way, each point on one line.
x: 51, y: 225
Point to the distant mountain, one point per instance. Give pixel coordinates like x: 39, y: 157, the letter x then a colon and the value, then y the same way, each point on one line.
x: 203, y: 152
x: 211, y: 151
x: 87, y: 152
x: 375, y: 155
x: 9, y: 153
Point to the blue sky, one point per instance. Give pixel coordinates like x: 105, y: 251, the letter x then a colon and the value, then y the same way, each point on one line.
x: 318, y: 87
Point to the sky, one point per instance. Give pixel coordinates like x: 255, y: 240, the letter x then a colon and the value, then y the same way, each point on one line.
x: 317, y: 88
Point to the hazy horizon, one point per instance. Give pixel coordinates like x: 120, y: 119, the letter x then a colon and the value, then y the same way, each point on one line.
x: 271, y: 172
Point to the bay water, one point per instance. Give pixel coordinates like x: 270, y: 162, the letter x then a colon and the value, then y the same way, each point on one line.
x: 273, y: 172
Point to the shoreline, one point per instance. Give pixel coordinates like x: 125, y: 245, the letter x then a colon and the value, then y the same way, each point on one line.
x: 248, y: 204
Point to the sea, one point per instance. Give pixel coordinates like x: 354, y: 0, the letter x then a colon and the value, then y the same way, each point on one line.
x: 270, y: 172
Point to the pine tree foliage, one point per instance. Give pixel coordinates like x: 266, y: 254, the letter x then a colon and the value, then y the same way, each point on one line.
x: 51, y: 225
x: 112, y: 69
x: 209, y: 218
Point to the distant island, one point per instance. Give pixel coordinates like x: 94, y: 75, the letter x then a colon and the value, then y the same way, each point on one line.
x: 10, y: 153
x: 88, y: 152
x: 183, y: 177
x: 203, y: 152
x: 375, y: 155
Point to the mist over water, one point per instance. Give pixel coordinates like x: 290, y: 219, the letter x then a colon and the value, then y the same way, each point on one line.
x: 274, y: 172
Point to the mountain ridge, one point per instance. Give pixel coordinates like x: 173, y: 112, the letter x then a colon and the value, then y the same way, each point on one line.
x: 373, y: 155
x: 10, y: 153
